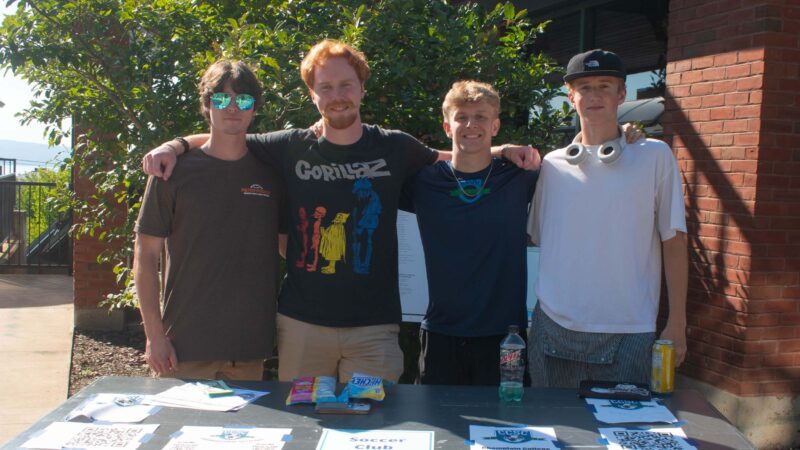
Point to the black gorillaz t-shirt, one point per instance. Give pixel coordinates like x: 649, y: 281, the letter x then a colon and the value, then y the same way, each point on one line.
x: 341, y: 255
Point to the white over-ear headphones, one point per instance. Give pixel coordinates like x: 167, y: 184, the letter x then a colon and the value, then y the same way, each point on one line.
x: 609, y: 152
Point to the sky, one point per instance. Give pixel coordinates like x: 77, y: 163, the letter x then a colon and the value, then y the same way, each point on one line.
x: 16, y: 94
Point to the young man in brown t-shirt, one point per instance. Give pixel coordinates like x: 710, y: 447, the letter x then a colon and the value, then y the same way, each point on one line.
x: 218, y: 215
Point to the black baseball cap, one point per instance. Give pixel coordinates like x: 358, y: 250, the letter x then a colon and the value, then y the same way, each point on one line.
x: 595, y: 63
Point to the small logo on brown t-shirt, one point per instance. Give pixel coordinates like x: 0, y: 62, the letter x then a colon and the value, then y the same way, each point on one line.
x: 256, y: 189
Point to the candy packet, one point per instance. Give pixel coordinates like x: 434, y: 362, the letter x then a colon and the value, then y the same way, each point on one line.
x: 363, y: 386
x: 214, y: 388
x: 312, y: 390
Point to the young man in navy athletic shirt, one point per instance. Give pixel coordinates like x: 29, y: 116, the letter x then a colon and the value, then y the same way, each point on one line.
x: 471, y: 213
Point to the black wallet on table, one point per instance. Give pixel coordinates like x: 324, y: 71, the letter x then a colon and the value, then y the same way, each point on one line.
x: 615, y: 390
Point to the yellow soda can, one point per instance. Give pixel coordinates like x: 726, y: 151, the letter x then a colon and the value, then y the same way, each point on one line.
x: 662, y: 376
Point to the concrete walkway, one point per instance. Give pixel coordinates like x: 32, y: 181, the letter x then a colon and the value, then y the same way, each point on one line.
x: 36, y: 318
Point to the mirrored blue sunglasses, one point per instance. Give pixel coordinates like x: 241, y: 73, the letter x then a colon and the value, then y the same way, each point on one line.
x: 221, y: 100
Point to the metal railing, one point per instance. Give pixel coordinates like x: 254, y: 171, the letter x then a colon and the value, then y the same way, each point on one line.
x: 32, y: 232
x: 8, y: 166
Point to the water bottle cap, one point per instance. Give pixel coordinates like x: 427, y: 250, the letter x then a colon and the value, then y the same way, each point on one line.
x: 513, y: 329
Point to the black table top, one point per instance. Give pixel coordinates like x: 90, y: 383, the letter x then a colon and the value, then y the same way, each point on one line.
x: 446, y: 410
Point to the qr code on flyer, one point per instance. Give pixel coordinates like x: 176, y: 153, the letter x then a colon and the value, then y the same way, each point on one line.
x: 108, y: 437
x: 648, y: 440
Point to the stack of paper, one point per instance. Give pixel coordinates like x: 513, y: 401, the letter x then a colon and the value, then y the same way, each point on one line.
x: 193, y: 396
x: 489, y: 438
x: 117, y: 408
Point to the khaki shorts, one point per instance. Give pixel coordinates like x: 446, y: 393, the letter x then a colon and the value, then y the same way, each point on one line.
x: 313, y: 350
x: 215, y: 370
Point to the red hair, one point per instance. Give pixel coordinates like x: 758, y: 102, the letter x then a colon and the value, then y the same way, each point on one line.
x: 327, y: 49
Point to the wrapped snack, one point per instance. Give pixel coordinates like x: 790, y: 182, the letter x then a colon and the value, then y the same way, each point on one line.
x: 326, y: 389
x: 312, y: 390
x: 363, y: 386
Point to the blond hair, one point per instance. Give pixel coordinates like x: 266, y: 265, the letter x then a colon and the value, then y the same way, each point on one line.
x: 330, y: 48
x: 470, y: 91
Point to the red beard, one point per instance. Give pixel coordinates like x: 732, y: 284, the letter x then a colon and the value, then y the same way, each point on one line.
x: 340, y: 120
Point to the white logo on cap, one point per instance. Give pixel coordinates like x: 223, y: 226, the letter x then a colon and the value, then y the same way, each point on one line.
x: 591, y: 64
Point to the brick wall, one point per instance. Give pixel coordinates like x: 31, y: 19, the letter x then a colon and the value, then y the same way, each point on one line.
x: 733, y: 116
x: 92, y: 280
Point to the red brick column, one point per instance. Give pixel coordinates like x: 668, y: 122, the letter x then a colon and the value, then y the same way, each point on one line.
x: 92, y: 280
x: 733, y: 116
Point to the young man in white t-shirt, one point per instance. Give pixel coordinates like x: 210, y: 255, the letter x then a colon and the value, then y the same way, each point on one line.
x: 602, y: 217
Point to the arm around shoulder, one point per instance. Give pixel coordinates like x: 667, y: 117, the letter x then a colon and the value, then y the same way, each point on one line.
x: 160, y: 161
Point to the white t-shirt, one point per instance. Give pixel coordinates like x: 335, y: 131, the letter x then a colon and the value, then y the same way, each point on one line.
x: 599, y: 228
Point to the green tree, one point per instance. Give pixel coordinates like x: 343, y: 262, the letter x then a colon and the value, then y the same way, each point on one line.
x: 39, y: 199
x: 126, y: 72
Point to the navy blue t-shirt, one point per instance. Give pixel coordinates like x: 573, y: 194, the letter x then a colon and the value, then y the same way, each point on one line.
x: 475, y: 242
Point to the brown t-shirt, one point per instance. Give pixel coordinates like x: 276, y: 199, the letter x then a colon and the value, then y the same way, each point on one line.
x: 220, y: 221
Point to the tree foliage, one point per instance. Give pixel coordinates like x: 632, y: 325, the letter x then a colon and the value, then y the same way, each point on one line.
x: 38, y: 201
x: 126, y: 72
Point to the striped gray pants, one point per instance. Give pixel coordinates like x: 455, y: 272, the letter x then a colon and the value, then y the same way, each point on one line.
x: 558, y: 357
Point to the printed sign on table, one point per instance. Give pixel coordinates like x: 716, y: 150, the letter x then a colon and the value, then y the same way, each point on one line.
x: 113, y: 408
x: 524, y: 438
x: 630, y: 411
x: 645, y: 439
x: 90, y: 436
x: 375, y: 439
x: 229, y: 438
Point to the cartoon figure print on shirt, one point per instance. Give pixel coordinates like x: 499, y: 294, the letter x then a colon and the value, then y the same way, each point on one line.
x: 333, y: 246
x: 330, y: 241
x: 365, y: 220
x: 315, y: 238
x: 319, y: 213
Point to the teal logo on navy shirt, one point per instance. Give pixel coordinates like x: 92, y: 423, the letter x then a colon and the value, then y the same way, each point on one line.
x: 470, y: 191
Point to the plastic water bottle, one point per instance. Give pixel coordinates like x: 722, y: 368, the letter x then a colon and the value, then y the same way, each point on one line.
x: 512, y: 365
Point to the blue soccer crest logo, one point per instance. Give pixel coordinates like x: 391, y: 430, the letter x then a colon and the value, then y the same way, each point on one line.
x: 514, y: 436
x: 626, y: 404
x: 233, y: 435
